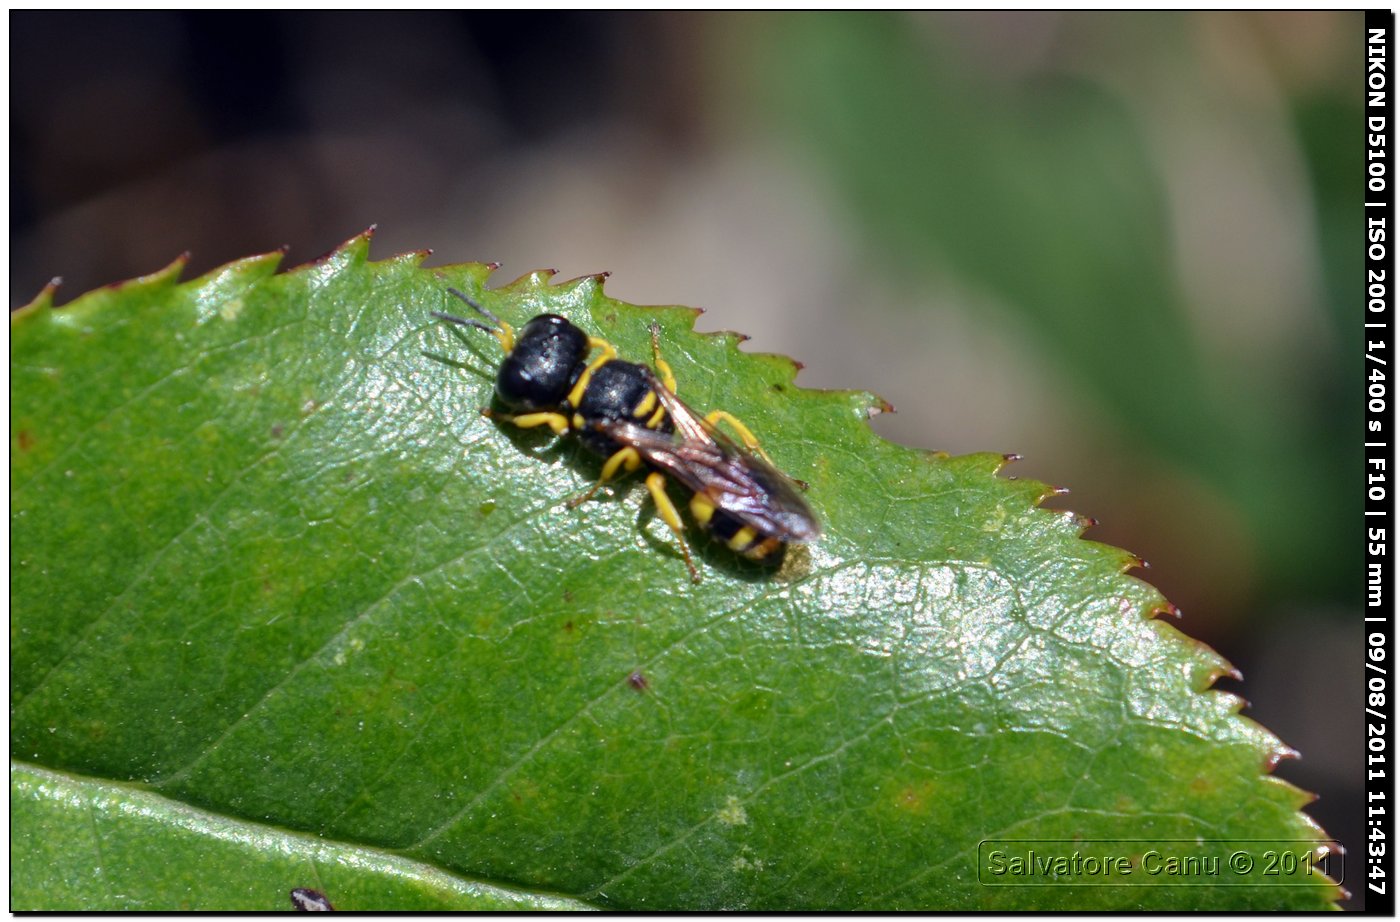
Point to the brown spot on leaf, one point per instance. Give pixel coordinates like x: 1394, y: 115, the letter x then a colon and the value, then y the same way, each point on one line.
x: 26, y: 440
x: 916, y: 798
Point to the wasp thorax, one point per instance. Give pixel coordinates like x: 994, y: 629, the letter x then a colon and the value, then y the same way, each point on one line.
x: 542, y: 367
x: 617, y: 390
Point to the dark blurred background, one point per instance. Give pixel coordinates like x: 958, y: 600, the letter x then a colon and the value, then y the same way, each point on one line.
x: 1118, y: 244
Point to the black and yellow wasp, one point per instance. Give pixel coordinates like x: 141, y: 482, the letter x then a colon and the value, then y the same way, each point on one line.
x: 630, y: 414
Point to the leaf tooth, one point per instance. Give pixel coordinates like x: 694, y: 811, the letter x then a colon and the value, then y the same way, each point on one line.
x: 1206, y: 665
x: 595, y: 279
x: 584, y: 287
x: 453, y: 274
x: 1168, y: 609
x: 1279, y: 753
x: 242, y: 272
x: 164, y: 277
x: 40, y: 302
x: 533, y: 280
x: 412, y: 259
x: 352, y: 252
x: 877, y: 406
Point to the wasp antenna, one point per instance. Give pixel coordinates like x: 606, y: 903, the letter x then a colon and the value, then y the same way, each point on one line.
x: 462, y: 321
x: 476, y: 307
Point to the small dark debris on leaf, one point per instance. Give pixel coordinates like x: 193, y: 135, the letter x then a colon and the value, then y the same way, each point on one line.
x: 305, y: 899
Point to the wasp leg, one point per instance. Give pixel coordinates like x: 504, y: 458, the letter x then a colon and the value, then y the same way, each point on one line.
x: 745, y: 435
x: 556, y: 421
x: 667, y: 377
x: 623, y: 458
x: 656, y: 486
x: 606, y: 353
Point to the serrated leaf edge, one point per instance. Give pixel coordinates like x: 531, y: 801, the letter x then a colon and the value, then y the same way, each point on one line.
x: 1211, y: 666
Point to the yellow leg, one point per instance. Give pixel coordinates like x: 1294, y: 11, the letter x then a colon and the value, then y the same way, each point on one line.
x: 608, y: 349
x: 656, y: 486
x: 747, y: 437
x: 667, y: 378
x: 625, y: 458
x: 556, y: 421
x: 505, y: 336
x: 606, y: 353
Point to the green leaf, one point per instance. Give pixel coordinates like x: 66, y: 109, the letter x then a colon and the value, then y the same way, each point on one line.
x: 85, y: 843
x: 273, y: 569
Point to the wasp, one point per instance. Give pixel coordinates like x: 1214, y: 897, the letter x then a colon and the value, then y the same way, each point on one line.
x: 556, y: 375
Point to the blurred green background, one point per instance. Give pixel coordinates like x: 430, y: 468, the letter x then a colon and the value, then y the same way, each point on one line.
x: 1119, y: 244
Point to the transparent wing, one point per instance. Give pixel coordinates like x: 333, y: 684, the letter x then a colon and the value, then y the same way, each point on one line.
x: 708, y: 462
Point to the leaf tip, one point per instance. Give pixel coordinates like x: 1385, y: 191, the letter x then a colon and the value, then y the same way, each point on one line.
x: 586, y: 285
x: 1165, y: 608
x: 353, y: 250
x: 533, y: 280
x: 877, y: 405
x: 239, y: 273
x: 1280, y: 753
x: 162, y: 277
x: 40, y: 302
x: 591, y: 278
x: 412, y: 259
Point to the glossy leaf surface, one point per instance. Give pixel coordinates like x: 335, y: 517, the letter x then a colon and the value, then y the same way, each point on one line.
x: 270, y: 564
